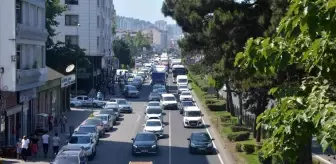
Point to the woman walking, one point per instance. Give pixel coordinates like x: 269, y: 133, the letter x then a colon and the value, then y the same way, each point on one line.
x: 34, y: 145
x: 25, y: 145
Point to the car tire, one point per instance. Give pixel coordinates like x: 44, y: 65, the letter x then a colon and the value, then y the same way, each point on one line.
x: 72, y: 105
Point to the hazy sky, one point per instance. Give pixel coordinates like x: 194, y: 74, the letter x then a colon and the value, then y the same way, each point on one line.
x: 149, y: 10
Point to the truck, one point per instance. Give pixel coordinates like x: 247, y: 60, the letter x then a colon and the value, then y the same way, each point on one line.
x: 158, y: 75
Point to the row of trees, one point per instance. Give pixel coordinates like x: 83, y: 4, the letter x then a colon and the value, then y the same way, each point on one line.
x: 127, y: 48
x: 269, y: 49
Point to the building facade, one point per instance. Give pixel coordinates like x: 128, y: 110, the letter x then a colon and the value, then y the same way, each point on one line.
x: 89, y: 24
x: 161, y: 25
x: 131, y: 24
x: 22, y: 65
x: 157, y: 37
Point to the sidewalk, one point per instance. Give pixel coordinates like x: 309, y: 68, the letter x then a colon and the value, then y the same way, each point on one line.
x: 75, y: 118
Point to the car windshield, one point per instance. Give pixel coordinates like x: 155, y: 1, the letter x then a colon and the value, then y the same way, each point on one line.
x: 111, y: 106
x: 182, y: 80
x: 106, y: 112
x: 169, y: 98
x: 186, y: 93
x: 154, y: 104
x: 87, y: 129
x: 123, y: 102
x: 187, y: 103
x: 132, y: 88
x: 183, y: 86
x: 145, y: 137
x: 79, y: 140
x: 153, y: 123
x: 104, y: 118
x: 154, y: 111
x: 66, y: 159
x: 161, y: 90
x: 193, y: 114
x: 92, y: 122
x: 138, y: 78
x: 200, y: 137
x: 154, y: 94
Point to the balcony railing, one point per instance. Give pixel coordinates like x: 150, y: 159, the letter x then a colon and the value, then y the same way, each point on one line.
x: 31, y: 76
x: 32, y: 33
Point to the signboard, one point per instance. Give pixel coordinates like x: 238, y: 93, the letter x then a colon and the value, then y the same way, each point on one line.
x: 27, y: 95
x: 68, y: 80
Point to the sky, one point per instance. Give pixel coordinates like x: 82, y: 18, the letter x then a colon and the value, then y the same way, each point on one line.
x: 148, y: 10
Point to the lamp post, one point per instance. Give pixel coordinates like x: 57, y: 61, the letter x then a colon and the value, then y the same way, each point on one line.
x: 77, y: 63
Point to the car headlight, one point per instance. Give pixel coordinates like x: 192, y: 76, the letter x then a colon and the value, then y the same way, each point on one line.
x: 135, y: 146
x: 192, y: 145
x: 154, y: 146
x: 87, y: 148
x: 210, y: 145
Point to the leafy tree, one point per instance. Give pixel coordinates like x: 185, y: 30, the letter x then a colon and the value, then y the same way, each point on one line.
x: 53, y: 9
x: 122, y: 52
x: 305, y: 39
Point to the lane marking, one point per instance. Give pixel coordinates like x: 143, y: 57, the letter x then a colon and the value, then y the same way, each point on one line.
x: 170, y: 136
x: 138, y: 115
x: 213, y: 142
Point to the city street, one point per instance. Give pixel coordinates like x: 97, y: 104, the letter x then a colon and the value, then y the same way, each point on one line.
x: 116, y: 146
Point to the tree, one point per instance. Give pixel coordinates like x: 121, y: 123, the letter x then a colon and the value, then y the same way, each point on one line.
x: 305, y: 39
x: 122, y: 51
x: 53, y: 9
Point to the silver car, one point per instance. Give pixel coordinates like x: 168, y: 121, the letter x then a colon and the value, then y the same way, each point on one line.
x: 124, y: 106
x: 107, y: 121
x: 153, y: 96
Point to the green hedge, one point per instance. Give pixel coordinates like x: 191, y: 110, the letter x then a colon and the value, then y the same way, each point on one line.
x: 237, y: 128
x: 248, y: 148
x: 239, y: 136
x: 239, y: 147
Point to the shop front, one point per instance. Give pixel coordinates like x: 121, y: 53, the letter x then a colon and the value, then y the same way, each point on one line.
x: 66, y: 83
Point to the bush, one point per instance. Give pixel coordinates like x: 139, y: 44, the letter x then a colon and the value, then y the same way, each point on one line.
x: 239, y: 147
x: 264, y: 160
x: 210, y: 101
x: 238, y: 128
x: 249, y: 148
x: 216, y: 107
x: 239, y: 136
x: 258, y: 146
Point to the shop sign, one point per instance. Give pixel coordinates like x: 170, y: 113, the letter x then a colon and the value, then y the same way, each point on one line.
x: 27, y: 95
x: 68, y: 80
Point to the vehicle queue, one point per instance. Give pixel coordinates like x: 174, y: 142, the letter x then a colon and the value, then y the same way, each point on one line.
x: 83, y: 143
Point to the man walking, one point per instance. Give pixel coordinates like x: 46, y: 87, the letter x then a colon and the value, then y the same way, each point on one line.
x: 63, y: 121
x: 25, y: 145
x: 56, y: 143
x: 45, y: 142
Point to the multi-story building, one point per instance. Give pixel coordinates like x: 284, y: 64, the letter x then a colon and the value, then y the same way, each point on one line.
x: 22, y: 65
x: 173, y: 34
x: 161, y: 25
x: 131, y: 24
x: 157, y: 37
x: 89, y: 24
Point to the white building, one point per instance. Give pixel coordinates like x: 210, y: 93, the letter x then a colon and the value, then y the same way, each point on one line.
x: 22, y: 61
x: 89, y: 24
x: 157, y: 37
x: 161, y: 24
x: 132, y: 24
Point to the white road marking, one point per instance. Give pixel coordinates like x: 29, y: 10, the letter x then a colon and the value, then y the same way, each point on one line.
x: 218, y: 154
x: 138, y: 117
x: 321, y: 159
x: 170, y: 136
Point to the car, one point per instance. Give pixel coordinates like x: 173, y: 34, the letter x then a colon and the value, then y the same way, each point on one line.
x: 130, y: 80
x: 131, y: 91
x: 145, y: 142
x: 72, y: 156
x: 107, y: 121
x: 124, y: 105
x: 112, y: 113
x: 156, y: 86
x: 160, y: 91
x: 182, y: 80
x: 168, y: 101
x: 142, y: 74
x: 153, y: 96
x: 96, y: 122
x: 86, y: 140
x: 155, y: 126
x: 186, y: 95
x: 92, y: 129
x: 184, y: 104
x: 200, y: 142
x: 139, y: 78
x: 153, y: 104
x: 137, y: 83
x: 181, y: 88
x: 113, y: 105
x: 192, y: 117
x: 153, y: 111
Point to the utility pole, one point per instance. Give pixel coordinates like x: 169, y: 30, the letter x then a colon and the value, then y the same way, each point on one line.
x: 77, y: 62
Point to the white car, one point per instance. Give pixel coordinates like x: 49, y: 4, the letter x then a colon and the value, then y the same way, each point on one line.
x: 155, y: 126
x: 86, y: 140
x: 186, y: 95
x: 182, y: 88
x: 168, y: 101
x: 154, y: 112
x: 107, y: 121
x: 192, y: 117
x: 92, y: 129
x: 153, y: 104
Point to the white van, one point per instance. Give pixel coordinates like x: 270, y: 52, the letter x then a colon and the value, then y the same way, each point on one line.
x: 192, y: 117
x: 182, y: 80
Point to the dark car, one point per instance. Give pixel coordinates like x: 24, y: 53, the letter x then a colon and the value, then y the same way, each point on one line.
x: 75, y: 156
x: 131, y: 91
x: 200, y: 142
x: 137, y: 83
x: 184, y: 104
x: 144, y: 143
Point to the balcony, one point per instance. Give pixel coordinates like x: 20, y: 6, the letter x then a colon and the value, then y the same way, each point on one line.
x: 30, y: 78
x: 31, y: 33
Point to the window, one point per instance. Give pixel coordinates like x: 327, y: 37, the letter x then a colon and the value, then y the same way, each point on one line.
x: 98, y: 42
x: 98, y: 3
x: 71, y: 2
x: 18, y: 11
x: 36, y: 17
x: 98, y: 21
x: 71, y: 39
x: 71, y: 20
x: 25, y: 13
x: 18, y: 56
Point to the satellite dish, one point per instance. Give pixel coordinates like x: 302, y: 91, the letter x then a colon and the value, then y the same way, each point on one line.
x: 70, y: 68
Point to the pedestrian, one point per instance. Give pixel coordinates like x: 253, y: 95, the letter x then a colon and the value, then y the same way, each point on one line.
x: 63, y: 121
x: 24, y: 145
x: 45, y: 142
x: 18, y: 148
x: 50, y: 122
x: 56, y: 141
x: 34, y: 145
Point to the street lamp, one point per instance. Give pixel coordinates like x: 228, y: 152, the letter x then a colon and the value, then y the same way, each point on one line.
x: 77, y: 62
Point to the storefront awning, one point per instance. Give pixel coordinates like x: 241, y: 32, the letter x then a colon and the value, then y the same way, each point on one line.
x: 52, y: 74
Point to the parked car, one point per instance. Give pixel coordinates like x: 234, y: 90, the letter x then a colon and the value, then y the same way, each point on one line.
x: 107, y: 121
x: 98, y: 123
x: 113, y: 105
x: 73, y: 156
x: 145, y: 142
x: 200, y: 142
x: 111, y: 113
x: 92, y: 129
x: 86, y: 140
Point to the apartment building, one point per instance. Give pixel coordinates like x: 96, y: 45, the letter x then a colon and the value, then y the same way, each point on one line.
x: 89, y: 23
x: 157, y: 37
x: 132, y: 24
x: 161, y: 25
x: 22, y: 65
